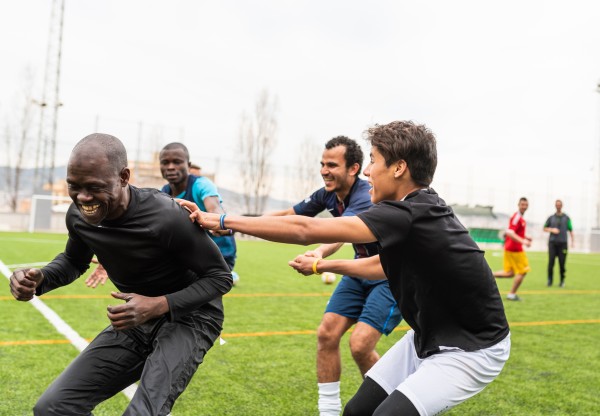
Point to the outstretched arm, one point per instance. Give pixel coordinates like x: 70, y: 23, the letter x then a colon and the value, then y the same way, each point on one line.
x: 367, y: 268
x: 292, y: 229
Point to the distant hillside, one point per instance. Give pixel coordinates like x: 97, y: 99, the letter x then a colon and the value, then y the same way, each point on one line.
x: 26, y: 180
x: 233, y: 201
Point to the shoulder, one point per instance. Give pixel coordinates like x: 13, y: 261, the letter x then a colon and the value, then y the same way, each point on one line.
x: 359, y: 193
x: 203, y: 183
x: 155, y: 202
x: 360, y: 188
x: 319, y: 195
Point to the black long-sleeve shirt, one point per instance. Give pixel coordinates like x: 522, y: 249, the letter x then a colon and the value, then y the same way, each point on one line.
x: 152, y: 250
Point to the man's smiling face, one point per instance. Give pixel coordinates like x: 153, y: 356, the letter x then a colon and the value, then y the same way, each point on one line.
x: 95, y: 186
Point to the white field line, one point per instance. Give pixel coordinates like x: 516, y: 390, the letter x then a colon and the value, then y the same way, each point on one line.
x: 17, y: 266
x: 62, y: 327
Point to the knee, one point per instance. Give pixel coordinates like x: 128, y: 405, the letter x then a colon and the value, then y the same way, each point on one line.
x: 53, y: 404
x: 45, y: 406
x: 360, y: 346
x: 326, y: 337
x: 359, y: 407
x: 354, y: 408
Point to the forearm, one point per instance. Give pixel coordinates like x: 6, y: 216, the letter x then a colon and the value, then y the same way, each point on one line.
x: 60, y: 272
x: 326, y: 250
x: 296, y: 229
x: 368, y: 268
x: 207, y: 288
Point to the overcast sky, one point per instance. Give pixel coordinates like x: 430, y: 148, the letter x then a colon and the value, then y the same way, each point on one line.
x: 509, y: 88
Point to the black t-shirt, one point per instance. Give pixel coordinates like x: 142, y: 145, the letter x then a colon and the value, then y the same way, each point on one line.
x: 152, y: 250
x: 437, y: 274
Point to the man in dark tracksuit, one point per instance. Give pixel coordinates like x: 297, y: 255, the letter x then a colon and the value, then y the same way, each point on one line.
x: 169, y: 273
x: 558, y: 224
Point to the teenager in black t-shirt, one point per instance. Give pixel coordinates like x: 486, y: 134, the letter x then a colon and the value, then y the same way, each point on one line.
x: 169, y: 273
x: 459, y: 339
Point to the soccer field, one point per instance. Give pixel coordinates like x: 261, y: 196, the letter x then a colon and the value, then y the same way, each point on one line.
x: 267, y: 365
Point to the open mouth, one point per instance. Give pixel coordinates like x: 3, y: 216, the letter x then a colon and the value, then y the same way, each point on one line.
x: 89, y: 210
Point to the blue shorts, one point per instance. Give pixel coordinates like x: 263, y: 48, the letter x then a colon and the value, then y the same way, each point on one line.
x: 368, y: 301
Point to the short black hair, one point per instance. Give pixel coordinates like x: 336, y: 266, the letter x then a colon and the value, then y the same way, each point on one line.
x: 177, y: 145
x: 353, y: 154
x: 113, y: 148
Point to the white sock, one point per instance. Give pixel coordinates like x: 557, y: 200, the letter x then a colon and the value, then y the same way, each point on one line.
x: 330, y: 403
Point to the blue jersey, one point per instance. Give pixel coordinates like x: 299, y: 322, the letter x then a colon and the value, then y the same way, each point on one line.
x: 357, y: 201
x: 199, y: 188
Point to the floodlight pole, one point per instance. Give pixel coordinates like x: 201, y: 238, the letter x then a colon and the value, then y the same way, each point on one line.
x: 598, y: 194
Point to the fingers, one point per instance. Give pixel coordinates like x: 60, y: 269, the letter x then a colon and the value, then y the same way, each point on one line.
x: 98, y: 276
x: 123, y: 296
x: 24, y: 282
x: 120, y: 319
x: 189, y: 205
x: 196, y: 217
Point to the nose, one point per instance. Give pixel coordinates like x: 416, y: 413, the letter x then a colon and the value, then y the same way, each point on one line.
x: 84, y: 196
x: 367, y: 171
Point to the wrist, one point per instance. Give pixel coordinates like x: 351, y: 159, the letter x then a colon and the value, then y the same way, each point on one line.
x: 315, y: 265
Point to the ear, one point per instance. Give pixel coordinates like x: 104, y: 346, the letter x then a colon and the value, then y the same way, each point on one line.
x: 354, y: 170
x: 124, y: 176
x: 400, y: 168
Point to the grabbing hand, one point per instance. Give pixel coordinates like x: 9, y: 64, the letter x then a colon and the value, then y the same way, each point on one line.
x: 136, y: 310
x: 189, y: 205
x: 98, y: 276
x: 207, y: 220
x: 303, y: 264
x: 23, y: 283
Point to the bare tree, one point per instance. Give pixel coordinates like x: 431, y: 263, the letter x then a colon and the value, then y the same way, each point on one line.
x: 257, y: 140
x: 308, y: 176
x: 17, y: 140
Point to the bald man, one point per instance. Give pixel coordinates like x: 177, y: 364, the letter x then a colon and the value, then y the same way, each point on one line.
x: 170, y: 275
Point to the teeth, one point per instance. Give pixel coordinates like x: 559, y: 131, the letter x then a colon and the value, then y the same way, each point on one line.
x: 89, y: 209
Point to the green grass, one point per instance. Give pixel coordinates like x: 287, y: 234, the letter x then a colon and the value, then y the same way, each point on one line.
x: 553, y: 370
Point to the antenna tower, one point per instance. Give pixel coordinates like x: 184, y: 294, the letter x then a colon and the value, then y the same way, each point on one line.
x: 45, y: 153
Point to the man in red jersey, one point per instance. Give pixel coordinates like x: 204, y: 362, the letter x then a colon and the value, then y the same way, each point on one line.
x: 515, y: 261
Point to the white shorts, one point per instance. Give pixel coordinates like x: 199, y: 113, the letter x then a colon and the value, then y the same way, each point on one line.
x: 441, y: 381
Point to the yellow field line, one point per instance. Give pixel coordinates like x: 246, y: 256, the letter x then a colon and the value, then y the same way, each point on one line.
x: 274, y: 295
x: 229, y: 295
x: 302, y: 332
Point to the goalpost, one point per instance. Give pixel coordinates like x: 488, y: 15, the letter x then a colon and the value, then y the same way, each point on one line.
x: 42, y: 209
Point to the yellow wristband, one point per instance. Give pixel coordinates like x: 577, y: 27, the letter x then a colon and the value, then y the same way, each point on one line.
x: 314, y: 267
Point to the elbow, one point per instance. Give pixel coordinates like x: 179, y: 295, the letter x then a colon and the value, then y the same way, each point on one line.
x: 303, y: 237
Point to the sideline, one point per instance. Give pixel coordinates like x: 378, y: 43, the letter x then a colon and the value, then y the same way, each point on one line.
x: 62, y: 327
